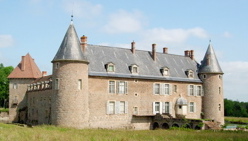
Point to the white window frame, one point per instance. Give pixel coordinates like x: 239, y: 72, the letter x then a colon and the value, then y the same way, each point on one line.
x: 192, y: 107
x: 191, y: 90
x: 15, y: 86
x: 110, y: 106
x: 199, y: 90
x: 154, y: 107
x: 121, y: 87
x: 56, y: 84
x: 134, y: 69
x: 111, y: 87
x: 80, y: 84
x: 110, y: 67
x: 117, y: 109
x: 165, y: 71
x: 156, y: 88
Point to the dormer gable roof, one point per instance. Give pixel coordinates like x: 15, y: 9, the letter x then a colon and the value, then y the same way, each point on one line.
x: 27, y: 68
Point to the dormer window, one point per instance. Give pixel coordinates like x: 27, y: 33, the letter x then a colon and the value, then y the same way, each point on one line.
x: 110, y: 67
x: 190, y: 73
x: 134, y: 69
x: 165, y: 71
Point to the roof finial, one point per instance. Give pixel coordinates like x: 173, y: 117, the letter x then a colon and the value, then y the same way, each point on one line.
x: 72, y: 19
x: 209, y: 40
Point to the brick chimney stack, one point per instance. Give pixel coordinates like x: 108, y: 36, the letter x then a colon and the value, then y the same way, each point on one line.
x: 192, y: 54
x: 133, y: 47
x: 165, y: 50
x: 84, y: 43
x: 189, y: 53
x: 23, y: 63
x: 44, y: 73
x: 154, y: 52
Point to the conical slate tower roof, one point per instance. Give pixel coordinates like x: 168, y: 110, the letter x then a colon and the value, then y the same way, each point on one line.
x: 70, y: 49
x: 210, y: 63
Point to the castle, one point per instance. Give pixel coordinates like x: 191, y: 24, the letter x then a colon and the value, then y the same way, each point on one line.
x: 94, y: 86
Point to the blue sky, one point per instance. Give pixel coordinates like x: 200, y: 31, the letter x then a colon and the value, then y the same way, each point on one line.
x: 38, y: 26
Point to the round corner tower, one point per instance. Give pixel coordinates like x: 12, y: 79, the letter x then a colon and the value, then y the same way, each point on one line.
x: 70, y: 83
x: 211, y: 76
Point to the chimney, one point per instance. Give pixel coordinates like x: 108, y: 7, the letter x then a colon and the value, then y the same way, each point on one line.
x: 133, y: 47
x: 44, y: 73
x: 154, y: 52
x: 23, y: 63
x: 186, y: 53
x: 192, y: 54
x: 84, y: 43
x: 165, y: 50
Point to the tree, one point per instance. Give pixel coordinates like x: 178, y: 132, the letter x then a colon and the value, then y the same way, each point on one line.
x: 4, y: 84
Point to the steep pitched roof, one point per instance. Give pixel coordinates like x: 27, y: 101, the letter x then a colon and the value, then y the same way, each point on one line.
x: 123, y: 58
x: 70, y: 47
x: 27, y: 68
x: 210, y: 63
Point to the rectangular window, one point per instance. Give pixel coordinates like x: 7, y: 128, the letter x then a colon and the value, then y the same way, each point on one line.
x: 112, y: 87
x: 15, y: 86
x: 135, y: 110
x: 199, y: 90
x: 167, y: 107
x: 219, y: 90
x: 80, y: 84
x: 157, y: 107
x: 175, y: 88
x: 191, y: 90
x: 121, y: 87
x: 111, y: 68
x: 111, y: 107
x: 56, y: 84
x: 122, y: 107
x: 156, y: 88
x: 191, y: 107
x: 166, y: 89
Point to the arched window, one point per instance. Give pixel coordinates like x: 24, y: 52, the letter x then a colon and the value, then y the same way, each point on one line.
x: 134, y: 69
x: 110, y: 67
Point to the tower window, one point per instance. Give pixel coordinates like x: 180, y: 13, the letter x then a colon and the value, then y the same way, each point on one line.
x: 57, y: 65
x: 15, y: 86
x: 219, y: 107
x: 80, y: 84
x: 219, y: 90
x: 56, y: 84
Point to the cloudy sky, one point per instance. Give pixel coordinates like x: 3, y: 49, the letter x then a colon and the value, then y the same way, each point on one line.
x: 38, y: 26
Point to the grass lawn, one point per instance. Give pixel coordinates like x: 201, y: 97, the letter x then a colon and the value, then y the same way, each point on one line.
x: 237, y: 119
x: 4, y: 110
x: 10, y: 132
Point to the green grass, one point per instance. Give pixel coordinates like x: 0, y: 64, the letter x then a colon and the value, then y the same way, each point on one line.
x: 10, y: 132
x: 4, y: 110
x: 236, y: 119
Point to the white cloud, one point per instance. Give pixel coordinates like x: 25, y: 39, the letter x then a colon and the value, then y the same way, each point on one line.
x: 124, y: 22
x: 6, y: 41
x: 235, y: 80
x: 227, y: 34
x: 82, y: 9
x: 174, y: 35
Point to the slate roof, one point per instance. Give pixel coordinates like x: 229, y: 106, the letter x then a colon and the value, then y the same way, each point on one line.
x: 99, y: 56
x: 210, y: 63
x: 70, y: 48
x: 29, y: 70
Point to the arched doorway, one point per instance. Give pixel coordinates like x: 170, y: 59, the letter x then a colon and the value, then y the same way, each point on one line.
x: 175, y: 125
x: 155, y: 126
x: 165, y: 126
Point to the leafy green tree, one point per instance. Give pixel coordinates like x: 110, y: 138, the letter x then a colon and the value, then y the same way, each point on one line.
x: 235, y: 108
x: 4, y: 84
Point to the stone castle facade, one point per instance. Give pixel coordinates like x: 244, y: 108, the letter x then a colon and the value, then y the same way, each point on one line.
x: 94, y: 86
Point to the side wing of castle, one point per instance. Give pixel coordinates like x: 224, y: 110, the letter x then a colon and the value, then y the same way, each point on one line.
x: 94, y: 86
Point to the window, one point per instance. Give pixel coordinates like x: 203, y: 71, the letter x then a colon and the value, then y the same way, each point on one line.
x: 166, y: 107
x: 110, y: 67
x: 80, y: 84
x: 199, y: 91
x: 191, y: 90
x: 220, y: 76
x: 122, y: 107
x: 165, y: 71
x: 219, y: 107
x: 135, y: 110
x: 134, y: 69
x: 56, y: 84
x: 219, y: 90
x: 121, y: 87
x: 111, y: 87
x: 57, y: 66
x: 156, y: 88
x: 117, y: 107
x: 175, y: 88
x: 191, y: 107
x: 157, y: 107
x: 111, y: 107
x: 190, y: 73
x: 15, y: 86
x: 204, y: 76
x: 166, y: 89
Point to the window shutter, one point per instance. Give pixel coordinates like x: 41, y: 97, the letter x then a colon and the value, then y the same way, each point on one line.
x: 160, y: 107
x: 170, y: 108
x: 162, y: 89
x: 195, y: 90
x: 126, y: 107
x: 117, y: 106
x: 170, y: 89
x: 117, y: 86
x: 188, y: 90
x: 125, y: 87
x: 163, y: 107
x: 107, y: 107
x: 153, y: 108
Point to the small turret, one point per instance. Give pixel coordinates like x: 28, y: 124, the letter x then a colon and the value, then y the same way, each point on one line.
x: 211, y: 75
x: 70, y: 83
